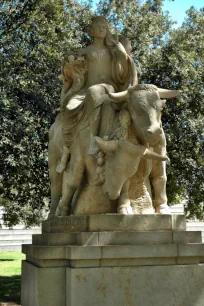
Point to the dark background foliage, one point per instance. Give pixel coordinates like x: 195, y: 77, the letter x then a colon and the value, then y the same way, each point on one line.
x: 35, y: 36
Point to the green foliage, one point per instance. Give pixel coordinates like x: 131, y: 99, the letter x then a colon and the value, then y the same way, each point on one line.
x: 35, y: 36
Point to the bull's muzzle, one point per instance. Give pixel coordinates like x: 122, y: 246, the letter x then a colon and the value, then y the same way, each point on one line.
x: 153, y: 134
x: 110, y: 194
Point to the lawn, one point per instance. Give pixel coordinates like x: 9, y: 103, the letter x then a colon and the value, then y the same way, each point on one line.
x: 10, y: 276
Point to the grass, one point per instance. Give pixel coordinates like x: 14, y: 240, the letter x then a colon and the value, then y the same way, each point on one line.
x: 10, y: 276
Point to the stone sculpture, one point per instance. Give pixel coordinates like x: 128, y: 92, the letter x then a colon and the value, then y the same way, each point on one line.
x: 108, y: 137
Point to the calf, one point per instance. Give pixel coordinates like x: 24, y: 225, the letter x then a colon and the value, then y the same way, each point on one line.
x: 122, y: 160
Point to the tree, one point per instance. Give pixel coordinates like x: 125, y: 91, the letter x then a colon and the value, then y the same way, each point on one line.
x: 35, y: 37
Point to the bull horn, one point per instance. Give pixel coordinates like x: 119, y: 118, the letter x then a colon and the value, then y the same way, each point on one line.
x: 119, y: 96
x: 167, y: 93
x: 107, y: 146
x: 152, y: 155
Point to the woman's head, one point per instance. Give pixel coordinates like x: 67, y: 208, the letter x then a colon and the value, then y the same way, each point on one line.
x: 99, y: 27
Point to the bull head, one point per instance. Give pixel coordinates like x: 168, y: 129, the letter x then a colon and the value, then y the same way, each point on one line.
x: 145, y: 106
x: 122, y: 163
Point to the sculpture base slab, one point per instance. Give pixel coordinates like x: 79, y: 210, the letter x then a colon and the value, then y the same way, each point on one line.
x: 141, y: 264
x: 170, y: 285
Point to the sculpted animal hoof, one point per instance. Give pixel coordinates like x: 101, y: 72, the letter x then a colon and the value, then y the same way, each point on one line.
x: 125, y: 210
x: 62, y: 212
x: 163, y: 209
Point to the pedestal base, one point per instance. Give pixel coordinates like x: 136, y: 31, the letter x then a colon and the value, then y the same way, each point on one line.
x: 149, y: 261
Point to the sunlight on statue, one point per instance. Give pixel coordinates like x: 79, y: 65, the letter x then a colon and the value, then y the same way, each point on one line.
x: 108, y: 137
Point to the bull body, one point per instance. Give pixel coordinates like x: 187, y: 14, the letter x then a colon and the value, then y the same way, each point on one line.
x: 145, y: 106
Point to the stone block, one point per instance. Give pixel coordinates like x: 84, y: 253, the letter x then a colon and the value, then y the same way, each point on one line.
x: 179, y: 237
x: 54, y: 239
x: 48, y: 263
x: 42, y: 286
x: 66, y: 224
x: 87, y: 239
x: 190, y: 250
x: 194, y: 236
x: 178, y: 222
x: 44, y: 252
x: 90, y: 263
x: 59, y: 239
x: 127, y: 262
x: 139, y: 251
x: 133, y: 238
x: 171, y: 285
x: 115, y: 222
x: 83, y: 252
x: 188, y: 260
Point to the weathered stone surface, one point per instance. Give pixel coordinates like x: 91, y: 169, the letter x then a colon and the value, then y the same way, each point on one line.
x: 59, y: 239
x: 194, y: 260
x: 135, y: 285
x: 189, y: 250
x: 194, y: 236
x: 114, y: 267
x: 85, y: 252
x: 142, y: 286
x: 104, y: 238
x: 130, y: 222
x: 139, y: 251
x: 187, y: 237
x: 114, y: 251
x: 134, y: 238
x: 126, y: 262
x: 39, y: 286
x: 44, y: 252
x: 115, y: 222
x: 66, y: 224
x: 179, y: 237
x: 178, y: 222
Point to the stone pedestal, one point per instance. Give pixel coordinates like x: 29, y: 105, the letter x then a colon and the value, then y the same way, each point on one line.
x: 108, y: 260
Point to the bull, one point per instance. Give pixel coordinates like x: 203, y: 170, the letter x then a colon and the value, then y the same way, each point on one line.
x: 145, y: 104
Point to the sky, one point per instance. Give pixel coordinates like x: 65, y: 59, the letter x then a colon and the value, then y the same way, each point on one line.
x: 177, y: 8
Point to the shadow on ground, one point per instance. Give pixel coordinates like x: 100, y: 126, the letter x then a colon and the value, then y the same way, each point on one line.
x: 10, y: 288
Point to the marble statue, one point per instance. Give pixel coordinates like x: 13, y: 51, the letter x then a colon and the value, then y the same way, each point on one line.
x: 108, y: 138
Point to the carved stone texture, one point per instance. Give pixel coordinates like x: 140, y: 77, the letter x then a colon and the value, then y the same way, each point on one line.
x: 107, y: 139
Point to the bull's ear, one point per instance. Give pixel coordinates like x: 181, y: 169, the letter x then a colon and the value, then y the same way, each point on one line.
x: 107, y: 146
x: 119, y: 97
x: 167, y: 93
